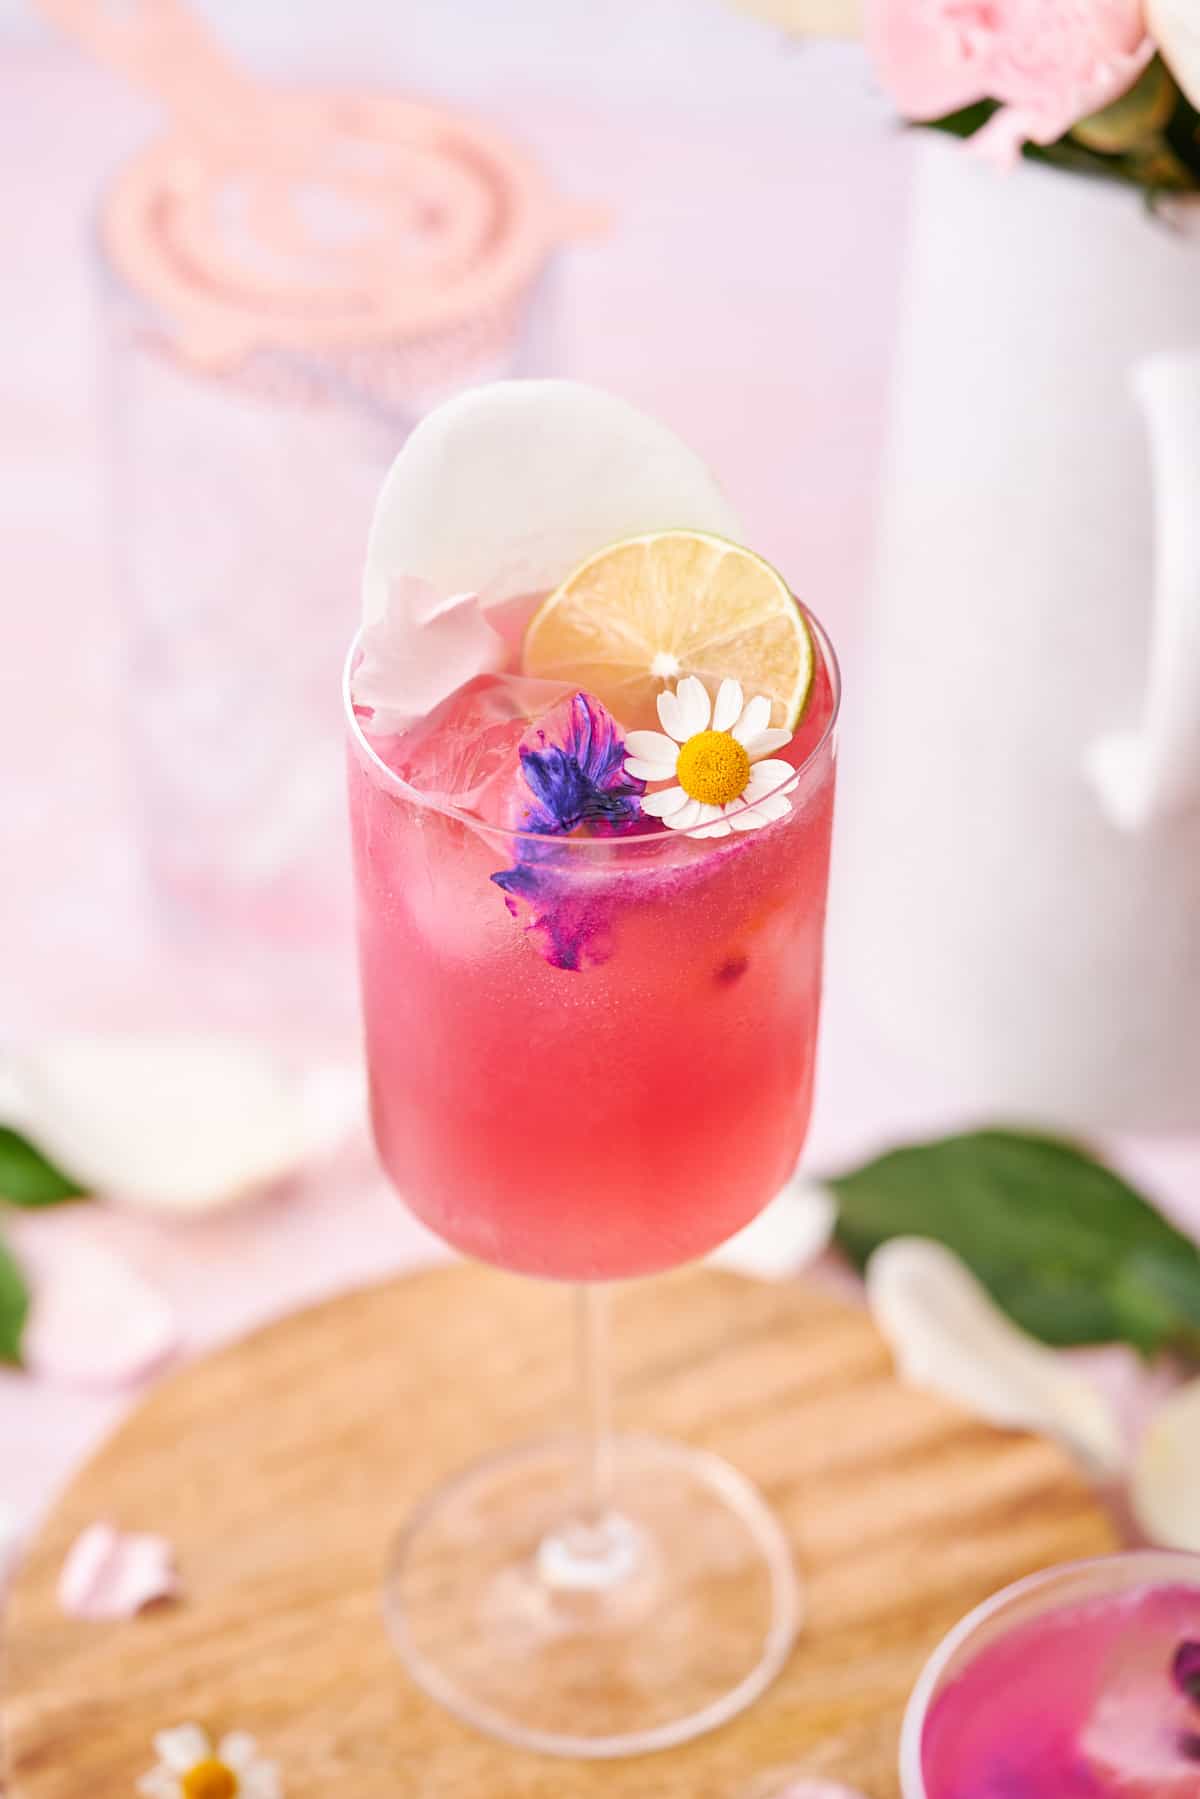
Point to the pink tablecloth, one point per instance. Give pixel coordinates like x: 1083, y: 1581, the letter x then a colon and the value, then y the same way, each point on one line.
x: 746, y: 294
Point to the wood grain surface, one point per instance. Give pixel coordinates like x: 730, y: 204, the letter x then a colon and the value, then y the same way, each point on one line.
x: 282, y: 1465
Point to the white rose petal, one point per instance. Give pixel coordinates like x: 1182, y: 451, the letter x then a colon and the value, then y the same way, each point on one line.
x: 1165, y: 1484
x: 792, y: 1232
x: 506, y: 488
x: 94, y: 1322
x: 176, y: 1124
x: 948, y: 1336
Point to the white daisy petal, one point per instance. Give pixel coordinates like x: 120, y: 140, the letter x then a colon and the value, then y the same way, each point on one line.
x: 238, y: 1750
x: 662, y: 805
x: 728, y: 707
x: 261, y: 1781
x: 719, y: 829
x: 749, y: 820
x: 774, y: 770
x: 776, y: 805
x: 670, y: 715
x: 648, y: 771
x: 652, y: 746
x: 767, y: 777
x: 765, y: 742
x: 687, y: 816
x: 159, y: 1784
x: 756, y: 716
x: 695, y: 707
x: 708, y: 815
x: 181, y: 1748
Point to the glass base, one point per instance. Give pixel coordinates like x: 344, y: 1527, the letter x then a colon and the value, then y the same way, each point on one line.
x: 633, y: 1632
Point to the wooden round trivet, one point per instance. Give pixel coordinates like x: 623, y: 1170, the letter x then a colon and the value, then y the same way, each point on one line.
x: 281, y: 1466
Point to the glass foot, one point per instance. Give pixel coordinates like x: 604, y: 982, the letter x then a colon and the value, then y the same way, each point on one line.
x: 628, y: 1633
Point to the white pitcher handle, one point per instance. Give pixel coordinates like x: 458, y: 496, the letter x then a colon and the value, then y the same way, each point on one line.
x: 1154, y: 771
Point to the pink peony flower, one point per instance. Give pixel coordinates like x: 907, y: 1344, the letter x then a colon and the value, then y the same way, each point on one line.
x: 1050, y: 62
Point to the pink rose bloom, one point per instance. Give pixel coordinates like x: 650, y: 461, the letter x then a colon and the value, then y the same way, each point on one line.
x: 1050, y: 62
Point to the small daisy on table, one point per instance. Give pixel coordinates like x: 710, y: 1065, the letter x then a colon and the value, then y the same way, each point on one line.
x: 718, y: 755
x: 190, y: 1766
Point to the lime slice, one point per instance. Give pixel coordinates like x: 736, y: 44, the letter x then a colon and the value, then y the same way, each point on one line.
x: 644, y: 613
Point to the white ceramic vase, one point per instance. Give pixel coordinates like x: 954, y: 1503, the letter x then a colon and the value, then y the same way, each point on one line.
x: 1020, y: 856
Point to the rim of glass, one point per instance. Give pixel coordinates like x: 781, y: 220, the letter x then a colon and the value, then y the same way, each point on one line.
x: 390, y: 779
x: 912, y: 1733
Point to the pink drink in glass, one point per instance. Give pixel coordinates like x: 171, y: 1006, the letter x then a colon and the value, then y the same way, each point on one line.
x: 590, y: 1032
x: 1094, y: 1694
x: 610, y: 1082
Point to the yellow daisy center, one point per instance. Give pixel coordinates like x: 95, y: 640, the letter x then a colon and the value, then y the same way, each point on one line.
x: 713, y: 768
x: 209, y: 1779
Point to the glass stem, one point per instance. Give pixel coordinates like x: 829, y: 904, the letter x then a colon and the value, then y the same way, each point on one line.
x: 595, y: 1550
x: 593, y: 1373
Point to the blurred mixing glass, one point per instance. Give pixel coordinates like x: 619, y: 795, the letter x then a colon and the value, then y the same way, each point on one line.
x: 289, y: 279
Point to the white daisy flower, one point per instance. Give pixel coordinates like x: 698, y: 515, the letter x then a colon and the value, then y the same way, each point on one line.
x: 190, y: 1767
x: 719, y: 758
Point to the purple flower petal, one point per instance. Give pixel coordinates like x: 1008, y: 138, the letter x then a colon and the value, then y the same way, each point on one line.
x: 574, y: 768
x: 1185, y: 1670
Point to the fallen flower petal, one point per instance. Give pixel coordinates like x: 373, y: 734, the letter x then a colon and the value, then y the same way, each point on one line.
x: 113, y: 1574
x: 10, y: 1542
x: 94, y: 1321
x: 948, y: 1336
x: 191, y: 1766
x: 1165, y: 1484
x: 818, y: 1789
x: 796, y: 1786
x: 175, y: 1124
x: 792, y: 1232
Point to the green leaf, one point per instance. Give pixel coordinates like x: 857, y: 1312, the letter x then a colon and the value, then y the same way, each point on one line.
x: 1065, y: 1246
x: 1183, y: 136
x: 1137, y: 118
x: 968, y: 120
x: 27, y: 1178
x: 14, y: 1307
x: 1163, y: 159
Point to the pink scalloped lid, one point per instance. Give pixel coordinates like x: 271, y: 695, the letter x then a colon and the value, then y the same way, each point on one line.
x: 353, y: 218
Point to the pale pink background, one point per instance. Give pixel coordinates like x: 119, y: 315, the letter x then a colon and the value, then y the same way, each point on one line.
x: 747, y: 294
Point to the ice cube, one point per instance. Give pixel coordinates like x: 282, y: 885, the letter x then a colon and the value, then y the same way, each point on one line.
x: 1142, y: 1739
x: 465, y: 752
x: 534, y: 756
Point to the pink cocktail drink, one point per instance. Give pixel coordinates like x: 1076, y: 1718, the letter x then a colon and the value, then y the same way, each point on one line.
x: 590, y: 1057
x: 591, y: 760
x: 1085, y: 1686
